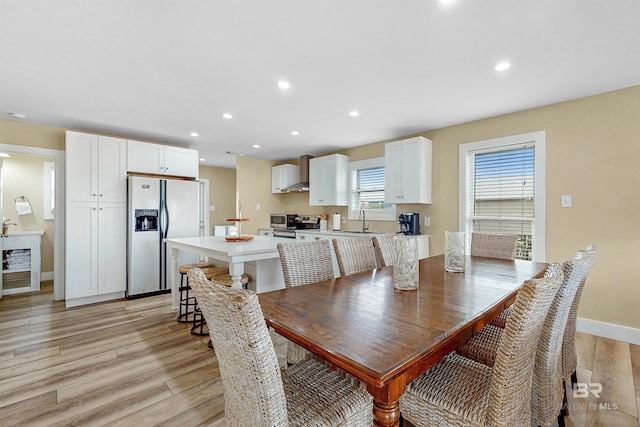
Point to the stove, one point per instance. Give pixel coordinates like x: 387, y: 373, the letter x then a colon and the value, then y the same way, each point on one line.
x: 302, y: 222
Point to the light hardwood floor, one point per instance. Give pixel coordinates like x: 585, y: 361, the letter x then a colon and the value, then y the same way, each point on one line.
x: 129, y: 363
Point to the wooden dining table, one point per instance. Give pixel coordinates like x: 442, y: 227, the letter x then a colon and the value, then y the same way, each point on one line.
x: 387, y: 337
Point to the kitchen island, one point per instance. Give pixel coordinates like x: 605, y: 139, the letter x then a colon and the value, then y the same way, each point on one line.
x: 261, y: 250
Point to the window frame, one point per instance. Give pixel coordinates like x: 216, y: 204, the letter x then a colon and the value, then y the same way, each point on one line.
x: 538, y: 140
x: 371, y: 214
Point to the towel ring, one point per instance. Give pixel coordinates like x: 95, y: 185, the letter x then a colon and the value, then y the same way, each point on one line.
x: 22, y: 198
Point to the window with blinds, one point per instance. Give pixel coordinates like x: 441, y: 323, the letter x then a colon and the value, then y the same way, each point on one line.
x: 500, y: 193
x: 367, y: 184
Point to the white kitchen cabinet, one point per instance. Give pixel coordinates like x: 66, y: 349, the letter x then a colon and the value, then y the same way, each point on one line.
x: 407, y: 165
x: 329, y: 180
x: 20, y: 262
x: 96, y: 252
x: 265, y: 232
x: 283, y: 176
x: 96, y: 168
x: 95, y: 229
x: 146, y: 157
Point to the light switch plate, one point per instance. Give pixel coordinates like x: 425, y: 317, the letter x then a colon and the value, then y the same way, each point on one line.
x: 427, y: 221
x: 566, y: 201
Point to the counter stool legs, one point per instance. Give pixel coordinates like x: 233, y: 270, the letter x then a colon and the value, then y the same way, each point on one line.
x: 187, y: 304
x: 199, y: 323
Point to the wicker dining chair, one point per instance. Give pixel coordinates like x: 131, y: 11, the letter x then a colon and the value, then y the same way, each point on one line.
x: 383, y: 245
x: 304, y: 263
x: 460, y: 391
x: 569, y: 357
x: 355, y: 255
x: 256, y: 391
x: 502, y: 246
x: 548, y: 391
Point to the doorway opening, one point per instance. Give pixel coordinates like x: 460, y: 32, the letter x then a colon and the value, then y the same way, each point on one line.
x: 37, y: 174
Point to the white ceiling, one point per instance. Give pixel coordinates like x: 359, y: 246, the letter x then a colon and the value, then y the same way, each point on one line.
x: 160, y: 69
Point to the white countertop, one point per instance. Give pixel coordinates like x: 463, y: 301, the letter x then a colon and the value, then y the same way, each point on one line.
x: 349, y: 233
x: 25, y: 233
x: 218, y: 244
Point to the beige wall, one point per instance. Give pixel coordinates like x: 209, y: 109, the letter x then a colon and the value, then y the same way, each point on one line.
x: 593, y: 151
x: 22, y: 174
x: 222, y: 193
x: 21, y: 133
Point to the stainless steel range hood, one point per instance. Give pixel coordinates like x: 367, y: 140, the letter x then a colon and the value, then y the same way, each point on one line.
x: 303, y: 185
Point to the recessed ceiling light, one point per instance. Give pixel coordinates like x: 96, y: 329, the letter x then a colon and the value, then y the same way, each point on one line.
x: 202, y: 159
x: 282, y: 84
x: 194, y: 134
x: 4, y: 155
x: 256, y: 145
x: 295, y: 133
x: 354, y: 113
x: 447, y: 1
x: 227, y: 116
x: 502, y: 66
x: 18, y: 116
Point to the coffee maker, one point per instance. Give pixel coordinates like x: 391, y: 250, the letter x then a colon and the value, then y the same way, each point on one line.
x: 409, y: 223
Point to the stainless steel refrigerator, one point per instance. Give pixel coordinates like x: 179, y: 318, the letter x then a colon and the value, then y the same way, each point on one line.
x: 158, y: 208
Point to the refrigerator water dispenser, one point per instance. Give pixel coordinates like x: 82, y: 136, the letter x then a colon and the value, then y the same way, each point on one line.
x: 146, y: 219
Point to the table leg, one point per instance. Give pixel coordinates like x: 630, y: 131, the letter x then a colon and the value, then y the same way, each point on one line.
x: 386, y: 407
x: 236, y: 270
x: 174, y: 277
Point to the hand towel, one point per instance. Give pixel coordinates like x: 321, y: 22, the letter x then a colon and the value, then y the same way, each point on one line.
x: 23, y: 208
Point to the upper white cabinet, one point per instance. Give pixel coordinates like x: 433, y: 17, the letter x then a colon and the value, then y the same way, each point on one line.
x: 96, y: 168
x: 283, y: 176
x: 329, y: 180
x: 407, y: 167
x: 145, y: 157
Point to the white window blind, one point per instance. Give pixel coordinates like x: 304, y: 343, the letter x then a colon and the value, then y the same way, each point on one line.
x: 367, y: 190
x: 501, y: 193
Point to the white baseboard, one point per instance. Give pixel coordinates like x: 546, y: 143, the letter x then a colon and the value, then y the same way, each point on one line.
x: 46, y: 275
x: 609, y: 330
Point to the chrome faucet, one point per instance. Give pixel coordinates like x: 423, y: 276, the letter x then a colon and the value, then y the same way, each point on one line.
x: 363, y: 216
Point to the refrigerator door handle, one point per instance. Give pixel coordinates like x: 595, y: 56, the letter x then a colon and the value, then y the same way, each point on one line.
x: 166, y: 211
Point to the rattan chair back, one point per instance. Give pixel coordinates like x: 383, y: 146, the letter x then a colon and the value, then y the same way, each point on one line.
x: 502, y: 246
x: 305, y: 262
x: 385, y: 250
x: 355, y: 255
x: 510, y: 389
x: 547, y: 390
x: 253, y: 390
x: 569, y: 357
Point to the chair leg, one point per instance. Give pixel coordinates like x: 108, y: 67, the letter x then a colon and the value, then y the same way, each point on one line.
x: 564, y: 412
x: 574, y: 379
x: 561, y: 420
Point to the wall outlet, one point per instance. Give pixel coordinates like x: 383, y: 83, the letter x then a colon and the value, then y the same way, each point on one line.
x: 427, y: 221
x: 565, y: 201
